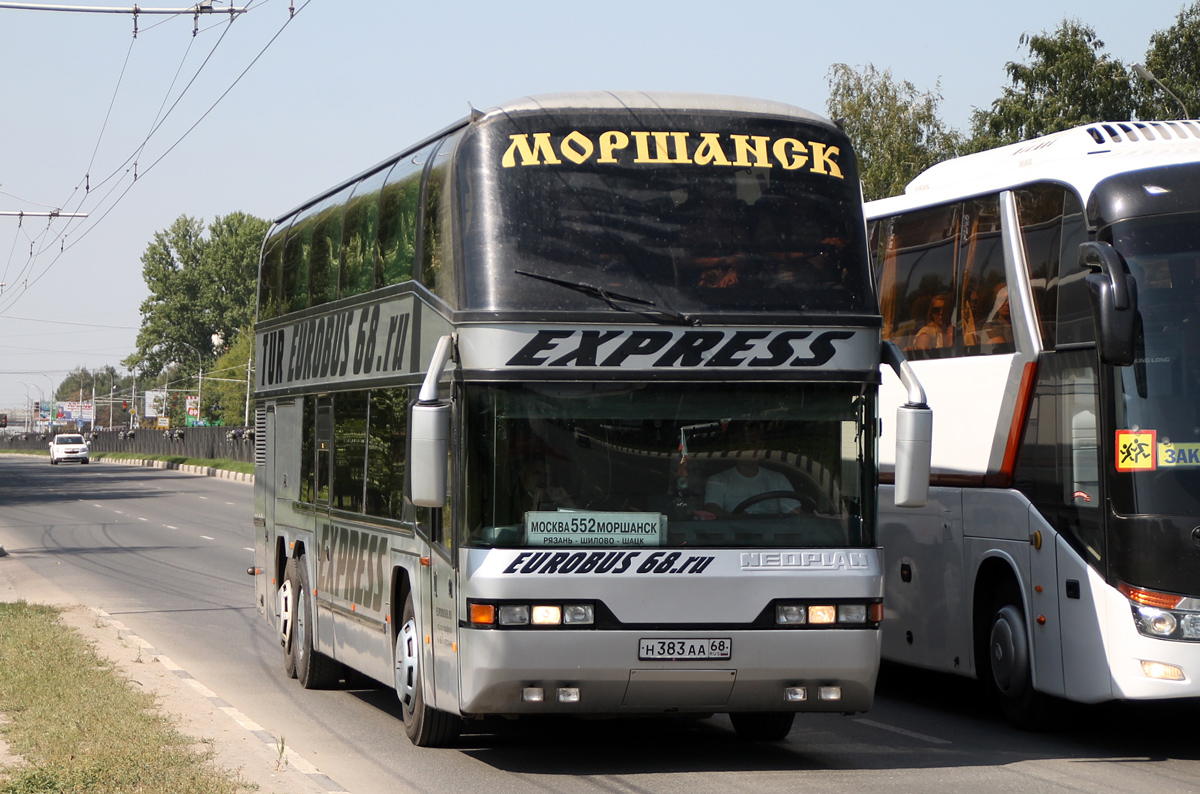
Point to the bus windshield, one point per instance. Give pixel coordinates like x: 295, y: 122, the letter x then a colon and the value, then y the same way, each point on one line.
x: 691, y: 229
x: 636, y: 464
x: 1159, y: 396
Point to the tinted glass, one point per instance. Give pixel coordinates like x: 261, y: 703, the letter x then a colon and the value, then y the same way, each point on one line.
x: 350, y: 449
x: 916, y: 281
x: 982, y: 323
x: 270, y: 273
x: 1158, y: 400
x: 1075, y: 323
x: 697, y: 212
x: 324, y: 253
x: 1041, y: 213
x: 437, y: 267
x: 669, y: 465
x: 387, y: 448
x: 357, y: 273
x: 399, y: 206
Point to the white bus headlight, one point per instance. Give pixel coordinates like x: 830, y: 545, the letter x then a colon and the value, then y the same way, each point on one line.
x: 514, y: 615
x: 1156, y: 622
x: 852, y: 613
x: 579, y: 614
x: 547, y: 615
x: 791, y: 614
x: 1191, y: 626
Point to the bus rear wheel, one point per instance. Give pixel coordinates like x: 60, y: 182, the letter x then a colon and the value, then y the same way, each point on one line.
x: 425, y: 726
x: 763, y: 726
x: 314, y: 669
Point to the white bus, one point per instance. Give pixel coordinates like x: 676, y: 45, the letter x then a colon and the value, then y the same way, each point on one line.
x: 571, y: 409
x: 1048, y: 296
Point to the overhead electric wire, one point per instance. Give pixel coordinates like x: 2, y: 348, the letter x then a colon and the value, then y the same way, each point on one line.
x: 5, y: 304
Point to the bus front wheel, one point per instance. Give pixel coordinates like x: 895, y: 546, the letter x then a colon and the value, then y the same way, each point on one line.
x: 425, y: 726
x: 1011, y: 668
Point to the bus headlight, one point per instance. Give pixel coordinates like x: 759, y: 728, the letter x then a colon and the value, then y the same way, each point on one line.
x: 488, y: 615
x: 514, y: 615
x: 791, y: 614
x: 547, y: 616
x: 1157, y: 622
x: 579, y: 614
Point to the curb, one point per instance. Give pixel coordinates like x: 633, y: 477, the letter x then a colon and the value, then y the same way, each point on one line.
x: 260, y: 733
x: 203, y: 471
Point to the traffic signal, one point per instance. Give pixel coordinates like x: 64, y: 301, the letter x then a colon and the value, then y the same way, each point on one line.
x: 37, y: 407
x: 3, y: 420
x: 124, y: 405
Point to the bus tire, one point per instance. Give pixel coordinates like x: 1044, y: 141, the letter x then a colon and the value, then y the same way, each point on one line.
x: 287, y: 615
x: 425, y: 726
x: 314, y: 669
x: 1010, y: 666
x: 762, y: 726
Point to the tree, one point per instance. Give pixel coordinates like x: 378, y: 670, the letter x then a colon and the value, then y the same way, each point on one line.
x: 200, y: 287
x: 225, y: 398
x: 895, y: 128
x: 1174, y: 58
x: 1068, y: 81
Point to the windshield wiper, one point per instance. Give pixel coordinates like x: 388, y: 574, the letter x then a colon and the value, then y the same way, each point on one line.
x: 616, y: 300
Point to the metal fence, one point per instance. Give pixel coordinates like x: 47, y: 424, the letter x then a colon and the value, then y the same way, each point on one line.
x: 212, y: 443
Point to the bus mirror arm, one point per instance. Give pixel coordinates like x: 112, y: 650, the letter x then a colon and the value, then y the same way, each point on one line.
x: 1114, y: 301
x: 430, y: 435
x: 914, y: 434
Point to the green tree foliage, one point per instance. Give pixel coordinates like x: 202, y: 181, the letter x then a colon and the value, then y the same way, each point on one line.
x: 225, y: 395
x: 1068, y: 81
x: 895, y: 127
x: 199, y: 287
x: 1174, y: 58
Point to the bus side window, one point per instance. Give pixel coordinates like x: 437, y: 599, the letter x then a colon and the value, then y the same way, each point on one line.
x: 387, y: 451
x: 396, y: 230
x: 350, y: 449
x: 983, y: 323
x: 356, y: 274
x: 916, y: 283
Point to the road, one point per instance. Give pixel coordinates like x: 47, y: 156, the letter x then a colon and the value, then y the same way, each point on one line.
x: 165, y: 553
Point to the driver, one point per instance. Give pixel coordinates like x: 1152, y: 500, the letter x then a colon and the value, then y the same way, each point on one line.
x: 726, y: 490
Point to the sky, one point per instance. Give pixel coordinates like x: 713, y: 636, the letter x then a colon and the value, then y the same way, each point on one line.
x: 258, y: 114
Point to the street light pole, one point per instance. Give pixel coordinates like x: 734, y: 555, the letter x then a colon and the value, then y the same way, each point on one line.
x: 199, y: 384
x: 1148, y: 76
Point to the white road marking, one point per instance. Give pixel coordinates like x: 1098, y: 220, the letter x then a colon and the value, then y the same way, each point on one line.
x: 206, y: 537
x: 904, y: 732
x: 169, y: 526
x: 141, y: 519
x: 247, y: 548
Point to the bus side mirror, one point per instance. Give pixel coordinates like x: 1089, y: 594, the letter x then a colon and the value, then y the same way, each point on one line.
x: 914, y: 441
x: 429, y: 448
x: 1114, y: 302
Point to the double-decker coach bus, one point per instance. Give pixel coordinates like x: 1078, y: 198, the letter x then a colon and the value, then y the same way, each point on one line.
x: 571, y: 408
x: 1048, y: 295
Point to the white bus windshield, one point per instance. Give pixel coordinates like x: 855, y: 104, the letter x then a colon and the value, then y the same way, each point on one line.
x: 634, y: 464
x: 1158, y: 407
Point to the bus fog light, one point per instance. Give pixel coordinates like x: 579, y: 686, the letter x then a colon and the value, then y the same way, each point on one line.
x: 852, y: 613
x: 830, y: 693
x: 547, y: 616
x: 514, y: 615
x: 822, y: 614
x: 568, y: 694
x: 796, y: 694
x: 1156, y: 622
x: 579, y: 614
x: 1167, y: 672
x: 790, y: 614
x: 532, y: 694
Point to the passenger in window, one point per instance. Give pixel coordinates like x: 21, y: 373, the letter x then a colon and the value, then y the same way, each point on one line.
x: 536, y: 491
x: 937, y: 331
x: 998, y: 328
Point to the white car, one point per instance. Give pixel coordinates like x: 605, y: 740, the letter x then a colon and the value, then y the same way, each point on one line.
x: 68, y: 446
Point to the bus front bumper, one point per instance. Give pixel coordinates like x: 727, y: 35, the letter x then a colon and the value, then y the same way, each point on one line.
x: 599, y: 672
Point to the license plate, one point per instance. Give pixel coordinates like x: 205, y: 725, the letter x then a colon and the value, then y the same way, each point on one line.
x: 681, y: 650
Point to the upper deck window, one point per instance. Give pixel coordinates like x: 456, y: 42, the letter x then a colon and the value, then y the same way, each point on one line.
x: 697, y: 212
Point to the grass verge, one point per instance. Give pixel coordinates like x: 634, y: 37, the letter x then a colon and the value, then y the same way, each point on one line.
x: 78, y: 725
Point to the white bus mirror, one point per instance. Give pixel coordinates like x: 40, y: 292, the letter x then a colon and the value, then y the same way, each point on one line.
x: 914, y: 439
x: 429, y: 447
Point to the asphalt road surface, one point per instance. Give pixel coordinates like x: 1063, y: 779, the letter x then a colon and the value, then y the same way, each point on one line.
x: 165, y: 553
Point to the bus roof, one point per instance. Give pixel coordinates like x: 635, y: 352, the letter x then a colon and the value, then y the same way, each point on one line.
x: 653, y: 100
x: 1079, y: 157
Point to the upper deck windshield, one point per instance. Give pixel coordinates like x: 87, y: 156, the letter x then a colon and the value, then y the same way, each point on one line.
x: 1160, y: 393
x: 619, y: 465
x: 698, y: 212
